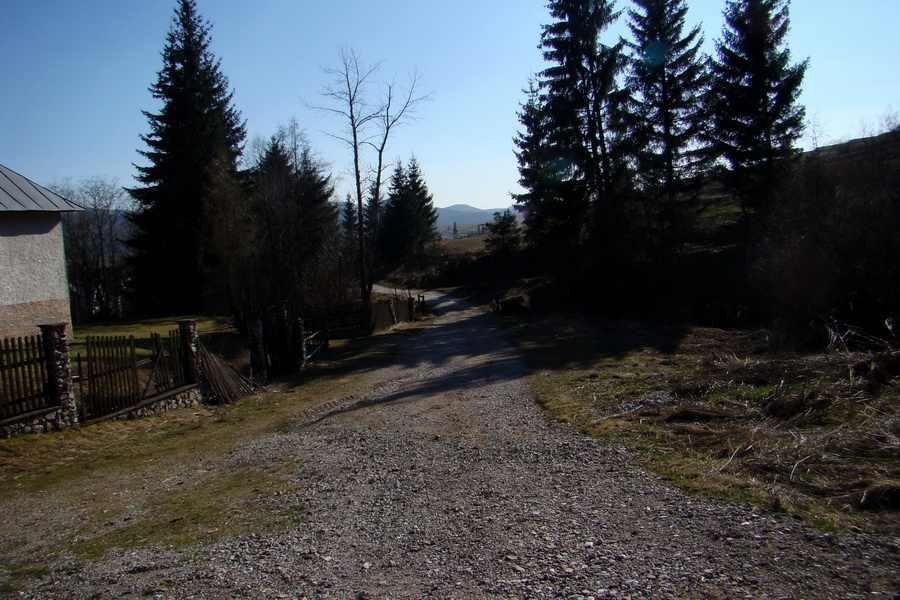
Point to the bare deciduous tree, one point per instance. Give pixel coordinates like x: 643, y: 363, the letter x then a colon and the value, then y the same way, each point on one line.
x: 94, y: 245
x: 369, y: 120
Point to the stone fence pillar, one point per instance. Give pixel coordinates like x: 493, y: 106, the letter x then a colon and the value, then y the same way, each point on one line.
x: 59, y: 373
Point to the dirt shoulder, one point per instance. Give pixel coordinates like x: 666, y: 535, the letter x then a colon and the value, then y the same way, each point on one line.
x: 440, y: 477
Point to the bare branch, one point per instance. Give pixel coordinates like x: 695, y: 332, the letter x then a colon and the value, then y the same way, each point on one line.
x: 367, y: 123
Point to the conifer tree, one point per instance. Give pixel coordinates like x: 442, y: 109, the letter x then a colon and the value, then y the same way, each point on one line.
x: 294, y: 194
x: 756, y: 114
x: 273, y: 183
x: 668, y: 81
x: 318, y: 215
x: 371, y: 224
x: 391, y: 246
x: 409, y: 219
x: 349, y: 222
x: 348, y: 218
x: 572, y: 158
x: 194, y: 142
x: 582, y: 99
x: 503, y: 234
x: 541, y: 174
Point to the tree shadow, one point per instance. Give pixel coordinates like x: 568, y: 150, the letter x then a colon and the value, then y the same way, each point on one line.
x: 467, y: 348
x: 461, y: 351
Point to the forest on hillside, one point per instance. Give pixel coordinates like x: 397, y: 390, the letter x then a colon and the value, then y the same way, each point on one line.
x: 659, y: 183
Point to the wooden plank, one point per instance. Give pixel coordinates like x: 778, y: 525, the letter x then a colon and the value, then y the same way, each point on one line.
x: 37, y: 399
x: 9, y: 392
x: 11, y: 373
x: 17, y: 377
x: 102, y: 377
x: 24, y: 375
x: 88, y: 399
x: 133, y: 371
x: 120, y: 375
x: 4, y: 384
x: 177, y: 354
x: 42, y: 373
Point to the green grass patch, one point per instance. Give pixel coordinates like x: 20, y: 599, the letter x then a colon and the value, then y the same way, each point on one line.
x: 18, y: 574
x: 217, y: 335
x: 200, y: 510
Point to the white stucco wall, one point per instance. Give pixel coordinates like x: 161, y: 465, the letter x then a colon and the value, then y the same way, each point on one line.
x: 33, y: 282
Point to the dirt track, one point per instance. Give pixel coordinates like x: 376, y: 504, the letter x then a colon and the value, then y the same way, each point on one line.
x: 442, y: 478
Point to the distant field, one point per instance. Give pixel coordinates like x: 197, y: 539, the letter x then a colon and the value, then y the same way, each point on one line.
x: 464, y: 245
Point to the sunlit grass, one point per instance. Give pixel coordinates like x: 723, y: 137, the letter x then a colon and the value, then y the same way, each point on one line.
x: 464, y: 245
x: 141, y: 329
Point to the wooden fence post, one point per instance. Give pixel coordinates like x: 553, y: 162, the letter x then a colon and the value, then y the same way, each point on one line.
x: 59, y: 373
x: 257, y: 349
x: 190, y: 344
x: 411, y: 307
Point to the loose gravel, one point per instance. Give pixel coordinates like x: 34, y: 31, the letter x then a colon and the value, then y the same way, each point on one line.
x: 442, y: 478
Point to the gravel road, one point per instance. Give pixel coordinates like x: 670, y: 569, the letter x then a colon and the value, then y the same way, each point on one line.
x: 442, y: 478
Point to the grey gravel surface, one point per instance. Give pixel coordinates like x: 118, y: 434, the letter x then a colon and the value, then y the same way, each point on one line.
x: 442, y: 478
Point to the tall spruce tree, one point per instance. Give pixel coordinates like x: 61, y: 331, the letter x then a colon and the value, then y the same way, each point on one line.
x: 348, y: 219
x: 273, y: 196
x: 668, y: 80
x: 756, y: 115
x: 294, y: 193
x: 349, y: 223
x: 571, y: 155
x: 541, y: 173
x: 582, y: 99
x: 409, y: 219
x: 194, y: 144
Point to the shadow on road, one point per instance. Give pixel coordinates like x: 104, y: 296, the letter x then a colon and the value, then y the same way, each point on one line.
x: 462, y: 350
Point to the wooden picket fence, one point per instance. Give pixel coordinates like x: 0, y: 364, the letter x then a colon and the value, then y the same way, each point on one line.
x: 341, y: 320
x: 167, y: 372
x: 112, y: 382
x: 355, y: 319
x: 23, y: 376
x: 109, y: 381
x: 116, y: 380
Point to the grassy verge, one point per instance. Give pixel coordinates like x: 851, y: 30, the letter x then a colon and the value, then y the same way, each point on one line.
x: 216, y: 335
x: 816, y: 435
x: 133, y: 483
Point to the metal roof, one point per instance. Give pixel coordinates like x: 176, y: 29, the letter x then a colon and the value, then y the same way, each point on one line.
x: 20, y: 194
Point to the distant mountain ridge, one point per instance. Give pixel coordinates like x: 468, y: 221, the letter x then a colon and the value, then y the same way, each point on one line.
x: 465, y: 215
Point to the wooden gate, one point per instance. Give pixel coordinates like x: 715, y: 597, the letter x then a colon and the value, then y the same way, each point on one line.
x: 112, y: 381
x: 117, y: 381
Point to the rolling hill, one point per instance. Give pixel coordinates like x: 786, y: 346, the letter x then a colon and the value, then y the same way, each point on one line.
x: 465, y: 216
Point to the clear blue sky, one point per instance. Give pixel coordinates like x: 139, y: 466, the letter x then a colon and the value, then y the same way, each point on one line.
x: 75, y: 76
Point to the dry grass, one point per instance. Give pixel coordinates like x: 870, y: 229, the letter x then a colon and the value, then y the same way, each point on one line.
x: 817, y: 435
x: 468, y: 245
x: 137, y: 482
